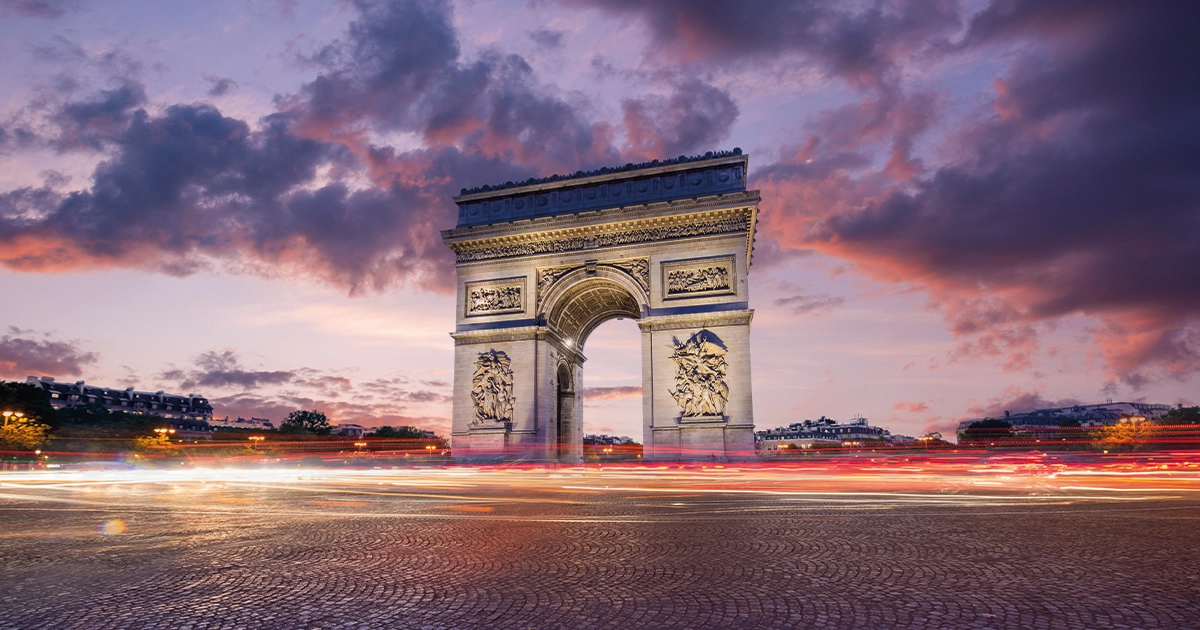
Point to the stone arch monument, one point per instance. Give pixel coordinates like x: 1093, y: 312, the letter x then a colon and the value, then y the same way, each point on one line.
x: 542, y: 263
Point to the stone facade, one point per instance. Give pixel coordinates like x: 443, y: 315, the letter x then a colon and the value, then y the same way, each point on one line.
x: 532, y: 290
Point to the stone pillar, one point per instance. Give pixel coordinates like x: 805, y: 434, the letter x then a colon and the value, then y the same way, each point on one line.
x: 527, y: 432
x: 697, y: 397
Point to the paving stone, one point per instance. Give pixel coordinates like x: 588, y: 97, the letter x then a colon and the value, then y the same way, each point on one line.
x: 290, y: 557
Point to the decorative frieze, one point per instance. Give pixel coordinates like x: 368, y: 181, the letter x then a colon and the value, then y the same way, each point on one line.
x: 495, y: 297
x: 700, y: 368
x: 699, y: 277
x: 589, y: 239
x: 492, y: 389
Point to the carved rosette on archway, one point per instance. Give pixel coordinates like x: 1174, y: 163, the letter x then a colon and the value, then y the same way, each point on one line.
x: 492, y: 389
x: 636, y: 268
x: 700, y: 368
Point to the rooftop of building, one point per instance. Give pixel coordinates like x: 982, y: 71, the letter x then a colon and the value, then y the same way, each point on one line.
x: 130, y: 394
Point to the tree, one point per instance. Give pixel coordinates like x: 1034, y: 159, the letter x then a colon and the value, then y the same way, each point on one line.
x: 157, y: 443
x: 404, y: 432
x: 1128, y: 435
x: 31, y: 400
x: 306, y: 423
x: 96, y: 416
x: 989, y: 430
x: 23, y: 434
x: 1181, y: 415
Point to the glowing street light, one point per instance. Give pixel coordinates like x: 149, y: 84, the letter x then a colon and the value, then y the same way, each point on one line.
x: 12, y: 414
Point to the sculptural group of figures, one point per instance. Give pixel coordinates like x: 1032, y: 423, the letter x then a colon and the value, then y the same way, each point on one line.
x: 486, y: 299
x: 696, y: 280
x: 700, y: 369
x: 492, y: 388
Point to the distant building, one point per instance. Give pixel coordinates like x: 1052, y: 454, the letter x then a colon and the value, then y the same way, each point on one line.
x: 253, y: 424
x: 600, y: 439
x: 352, y: 430
x: 1100, y: 415
x: 826, y: 432
x: 174, y: 408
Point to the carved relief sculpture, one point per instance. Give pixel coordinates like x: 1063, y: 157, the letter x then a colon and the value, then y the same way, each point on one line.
x: 487, y: 299
x: 495, y: 297
x: 698, y: 277
x: 492, y: 389
x: 698, y: 280
x: 637, y: 268
x: 700, y: 368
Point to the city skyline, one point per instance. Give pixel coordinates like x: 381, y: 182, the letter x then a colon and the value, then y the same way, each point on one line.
x: 967, y: 207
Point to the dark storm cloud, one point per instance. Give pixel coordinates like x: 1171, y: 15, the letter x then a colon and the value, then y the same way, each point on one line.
x: 1077, y: 193
x: 91, y: 123
x: 222, y: 370
x: 23, y: 354
x: 399, y: 67
x: 48, y: 9
x: 1016, y: 400
x: 192, y: 185
x: 696, y: 115
x: 856, y: 41
x: 220, y: 86
x: 547, y: 38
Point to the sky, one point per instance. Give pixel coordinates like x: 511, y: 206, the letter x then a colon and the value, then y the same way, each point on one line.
x: 967, y: 207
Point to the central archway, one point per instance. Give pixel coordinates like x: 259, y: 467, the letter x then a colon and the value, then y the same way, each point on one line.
x: 575, y: 305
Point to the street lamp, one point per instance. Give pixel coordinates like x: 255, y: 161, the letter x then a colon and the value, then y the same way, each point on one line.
x: 360, y: 445
x: 13, y: 414
x: 255, y: 439
x: 430, y: 447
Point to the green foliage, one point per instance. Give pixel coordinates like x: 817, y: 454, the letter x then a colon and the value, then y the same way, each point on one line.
x: 23, y: 434
x: 1181, y: 415
x: 306, y: 423
x: 404, y: 432
x: 154, y: 444
x: 988, y: 430
x: 31, y: 400
x: 1125, y: 436
x: 96, y: 416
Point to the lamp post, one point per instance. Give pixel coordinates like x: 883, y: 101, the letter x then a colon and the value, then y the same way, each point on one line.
x: 429, y: 448
x: 255, y: 439
x: 11, y: 414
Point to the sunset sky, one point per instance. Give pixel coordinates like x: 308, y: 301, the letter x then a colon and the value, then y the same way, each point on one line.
x: 967, y: 206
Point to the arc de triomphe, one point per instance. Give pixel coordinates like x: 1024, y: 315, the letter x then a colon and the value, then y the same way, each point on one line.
x: 542, y: 263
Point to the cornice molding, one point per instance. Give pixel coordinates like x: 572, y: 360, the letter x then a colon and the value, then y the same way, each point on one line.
x: 734, y: 220
x: 696, y: 320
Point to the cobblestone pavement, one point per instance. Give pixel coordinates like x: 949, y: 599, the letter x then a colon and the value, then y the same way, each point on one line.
x: 454, y: 553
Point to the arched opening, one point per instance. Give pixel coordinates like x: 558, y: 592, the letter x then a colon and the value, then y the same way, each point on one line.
x: 575, y: 307
x: 612, y: 398
x: 564, y: 422
x: 588, y: 302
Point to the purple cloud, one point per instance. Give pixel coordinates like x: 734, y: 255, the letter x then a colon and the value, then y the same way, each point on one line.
x: 22, y: 355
